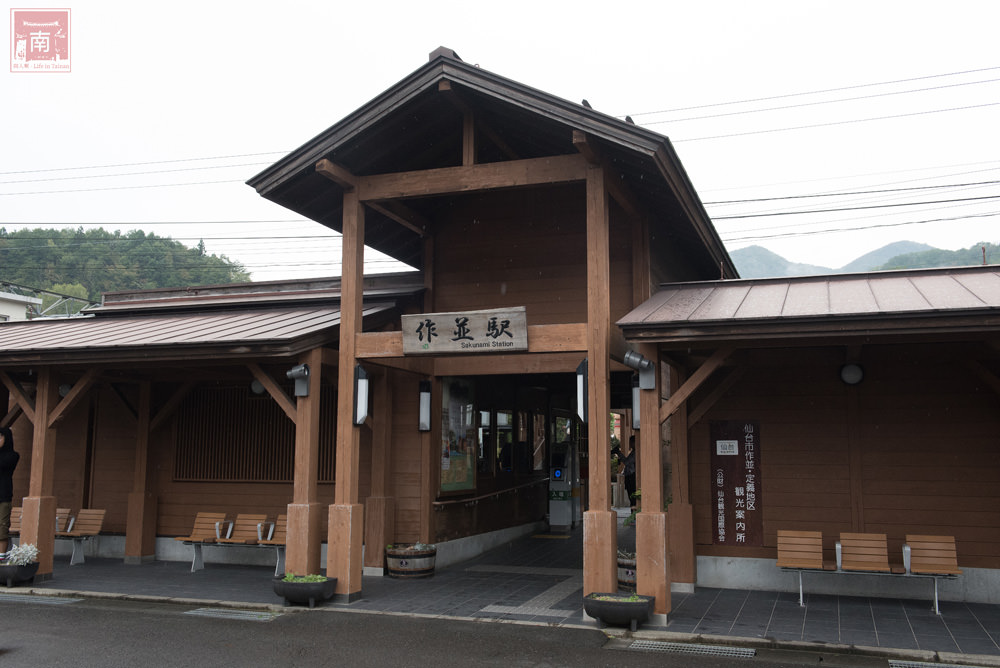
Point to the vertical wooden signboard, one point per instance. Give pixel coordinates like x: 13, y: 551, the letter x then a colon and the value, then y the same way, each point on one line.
x: 737, y: 507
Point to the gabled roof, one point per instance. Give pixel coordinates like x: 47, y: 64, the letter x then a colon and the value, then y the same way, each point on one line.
x: 414, y: 125
x: 924, y: 301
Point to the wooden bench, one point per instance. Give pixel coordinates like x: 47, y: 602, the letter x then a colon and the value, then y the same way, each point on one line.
x: 208, y: 529
x: 923, y: 556
x: 932, y: 557
x: 276, y: 538
x: 64, y: 522
x: 802, y: 551
x: 248, y: 529
x: 14, y: 532
x: 87, y: 524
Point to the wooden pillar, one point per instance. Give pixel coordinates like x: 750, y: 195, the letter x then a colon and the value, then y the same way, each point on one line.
x: 140, y: 528
x: 305, y: 512
x: 651, y: 554
x: 38, y: 519
x: 380, y: 508
x: 600, y: 527
x: 683, y: 561
x: 345, y: 532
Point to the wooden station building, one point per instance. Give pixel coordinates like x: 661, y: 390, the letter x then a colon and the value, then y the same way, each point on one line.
x: 555, y: 250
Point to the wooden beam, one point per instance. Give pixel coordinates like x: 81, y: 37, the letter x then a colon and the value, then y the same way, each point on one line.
x: 11, y: 417
x: 71, y: 399
x: 403, y: 215
x: 616, y: 187
x: 494, y: 175
x: 701, y: 409
x: 485, y: 129
x: 173, y: 403
x: 339, y: 175
x: 21, y: 398
x: 507, y: 364
x: 277, y: 393
x: 985, y: 374
x: 694, y: 382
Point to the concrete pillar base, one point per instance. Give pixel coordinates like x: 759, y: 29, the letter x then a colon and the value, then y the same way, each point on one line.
x: 303, y: 545
x: 343, y: 552
x: 652, y: 571
x: 38, y: 527
x: 600, y: 551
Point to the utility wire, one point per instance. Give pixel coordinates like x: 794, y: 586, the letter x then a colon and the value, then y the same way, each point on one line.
x: 856, y: 208
x: 814, y: 92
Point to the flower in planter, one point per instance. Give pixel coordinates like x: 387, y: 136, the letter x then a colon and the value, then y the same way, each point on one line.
x: 415, y: 547
x: 22, y: 555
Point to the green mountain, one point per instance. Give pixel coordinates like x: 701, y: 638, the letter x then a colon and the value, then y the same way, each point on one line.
x: 94, y: 261
x: 758, y: 262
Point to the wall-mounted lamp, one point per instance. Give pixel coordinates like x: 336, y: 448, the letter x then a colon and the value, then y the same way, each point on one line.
x: 64, y: 389
x: 645, y: 367
x: 635, y: 401
x: 360, y: 394
x: 852, y: 374
x: 582, y: 392
x: 300, y: 374
x: 424, y: 423
x: 256, y: 386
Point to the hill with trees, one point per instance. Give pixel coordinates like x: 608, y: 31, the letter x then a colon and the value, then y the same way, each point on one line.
x: 759, y: 262
x: 88, y: 262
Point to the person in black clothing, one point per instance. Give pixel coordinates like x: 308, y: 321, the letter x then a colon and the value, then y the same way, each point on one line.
x: 8, y: 462
x: 629, y: 471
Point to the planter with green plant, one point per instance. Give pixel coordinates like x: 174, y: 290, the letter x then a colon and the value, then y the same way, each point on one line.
x: 20, y: 564
x: 306, y: 589
x: 619, y: 609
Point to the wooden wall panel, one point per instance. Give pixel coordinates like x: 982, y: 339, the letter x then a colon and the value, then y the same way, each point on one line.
x: 927, y: 436
x: 524, y: 247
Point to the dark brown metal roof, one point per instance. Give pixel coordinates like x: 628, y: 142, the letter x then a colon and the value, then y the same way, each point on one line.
x: 952, y: 299
x: 414, y: 126
x: 254, y: 332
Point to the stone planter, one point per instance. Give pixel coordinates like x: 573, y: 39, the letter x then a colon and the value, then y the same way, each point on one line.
x: 305, y: 592
x: 402, y: 561
x: 619, y: 609
x: 11, y: 574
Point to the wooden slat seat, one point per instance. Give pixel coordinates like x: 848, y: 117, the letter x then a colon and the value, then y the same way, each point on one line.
x: 87, y: 524
x: 802, y: 550
x: 208, y: 529
x: 276, y: 538
x: 15, y: 524
x: 864, y: 552
x: 246, y: 530
x: 64, y: 519
x: 931, y: 556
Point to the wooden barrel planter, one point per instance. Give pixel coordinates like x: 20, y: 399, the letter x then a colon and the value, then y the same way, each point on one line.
x: 626, y: 574
x: 409, y: 561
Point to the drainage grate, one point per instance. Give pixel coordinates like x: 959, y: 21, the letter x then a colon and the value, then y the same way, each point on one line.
x: 31, y: 598
x: 893, y: 663
x: 689, y: 648
x: 230, y: 613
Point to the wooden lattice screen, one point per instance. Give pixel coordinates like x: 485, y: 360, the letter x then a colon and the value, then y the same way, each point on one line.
x: 227, y: 433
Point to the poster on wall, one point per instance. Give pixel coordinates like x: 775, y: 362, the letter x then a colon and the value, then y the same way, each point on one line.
x: 737, y: 508
x: 458, y: 436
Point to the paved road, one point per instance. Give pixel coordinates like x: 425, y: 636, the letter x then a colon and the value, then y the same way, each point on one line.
x: 112, y: 633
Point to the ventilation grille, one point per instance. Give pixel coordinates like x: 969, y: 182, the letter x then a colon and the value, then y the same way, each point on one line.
x: 688, y: 648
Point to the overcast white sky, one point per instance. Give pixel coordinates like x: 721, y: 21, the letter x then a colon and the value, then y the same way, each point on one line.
x: 209, y: 93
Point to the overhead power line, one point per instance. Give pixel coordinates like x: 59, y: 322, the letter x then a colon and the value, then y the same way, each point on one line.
x: 845, y: 193
x: 141, y: 164
x: 815, y: 92
x: 856, y: 208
